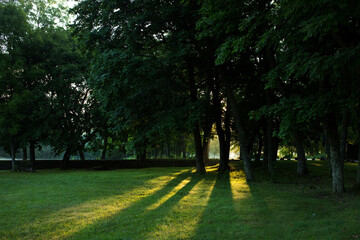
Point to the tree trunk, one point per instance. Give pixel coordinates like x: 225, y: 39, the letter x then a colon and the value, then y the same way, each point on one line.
x: 225, y: 146
x: 327, y: 151
x: 260, y: 145
x: 357, y: 182
x: 206, y: 148
x: 142, y: 156
x: 156, y: 152
x: 183, y: 147
x: 32, y: 156
x: 266, y: 148
x: 24, y: 153
x: 343, y: 136
x: 224, y: 152
x: 276, y: 142
x: 66, y: 158
x: 241, y: 131
x: 301, y: 160
x: 103, y: 153
x: 270, y: 147
x: 200, y: 166
x: 331, y: 133
x: 206, y: 141
x: 162, y: 150
x: 13, y: 154
x: 168, y: 147
x: 82, y: 155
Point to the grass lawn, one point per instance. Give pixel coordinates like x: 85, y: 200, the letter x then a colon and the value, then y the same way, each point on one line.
x: 175, y: 203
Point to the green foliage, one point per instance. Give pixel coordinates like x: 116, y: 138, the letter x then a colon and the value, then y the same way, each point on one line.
x: 42, y: 77
x: 139, y: 66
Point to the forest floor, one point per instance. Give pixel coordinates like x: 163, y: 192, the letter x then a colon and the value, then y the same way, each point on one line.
x: 175, y: 203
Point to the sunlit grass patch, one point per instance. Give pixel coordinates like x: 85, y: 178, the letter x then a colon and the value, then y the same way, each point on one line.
x: 176, y: 203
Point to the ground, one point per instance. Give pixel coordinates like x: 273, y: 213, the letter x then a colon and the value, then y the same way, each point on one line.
x: 175, y: 203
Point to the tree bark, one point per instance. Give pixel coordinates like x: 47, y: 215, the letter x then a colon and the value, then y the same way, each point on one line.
x: 270, y: 147
x: 66, y: 158
x: 258, y: 152
x: 141, y: 154
x: 357, y: 181
x: 224, y: 151
x: 13, y: 154
x: 103, y: 153
x: 206, y: 141
x: 183, y: 147
x: 266, y: 148
x: 24, y: 153
x: 222, y: 134
x: 168, y: 147
x: 301, y: 160
x: 162, y: 150
x: 32, y: 156
x: 331, y: 133
x: 82, y: 155
x: 200, y: 166
x: 343, y: 136
x: 156, y: 152
x: 241, y: 131
x: 206, y: 148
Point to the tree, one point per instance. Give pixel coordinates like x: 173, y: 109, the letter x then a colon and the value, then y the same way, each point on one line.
x: 130, y: 43
x: 14, y: 28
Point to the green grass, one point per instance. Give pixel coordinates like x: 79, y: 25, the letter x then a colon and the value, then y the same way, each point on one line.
x: 175, y: 203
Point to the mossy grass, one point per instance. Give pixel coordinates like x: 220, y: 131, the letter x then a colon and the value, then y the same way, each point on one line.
x: 177, y: 203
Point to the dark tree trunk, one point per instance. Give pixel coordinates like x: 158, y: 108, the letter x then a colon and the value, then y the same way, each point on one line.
x: 82, y: 155
x: 241, y: 131
x: 168, y: 147
x: 327, y: 151
x: 301, y: 160
x: 260, y: 145
x: 200, y: 166
x: 206, y: 142
x: 266, y: 148
x: 142, y: 156
x: 343, y: 136
x: 156, y: 152
x: 13, y: 154
x: 331, y: 133
x: 183, y: 147
x: 228, y: 129
x: 24, y: 153
x: 66, y: 158
x: 32, y: 156
x: 250, y: 145
x: 206, y: 148
x: 162, y: 150
x: 357, y: 181
x: 225, y: 146
x: 276, y: 142
x: 222, y: 134
x: 104, y: 150
x: 224, y: 151
x: 270, y: 147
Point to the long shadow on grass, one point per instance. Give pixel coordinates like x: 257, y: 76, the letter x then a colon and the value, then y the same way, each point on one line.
x: 138, y: 219
x: 45, y: 195
x: 219, y: 211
